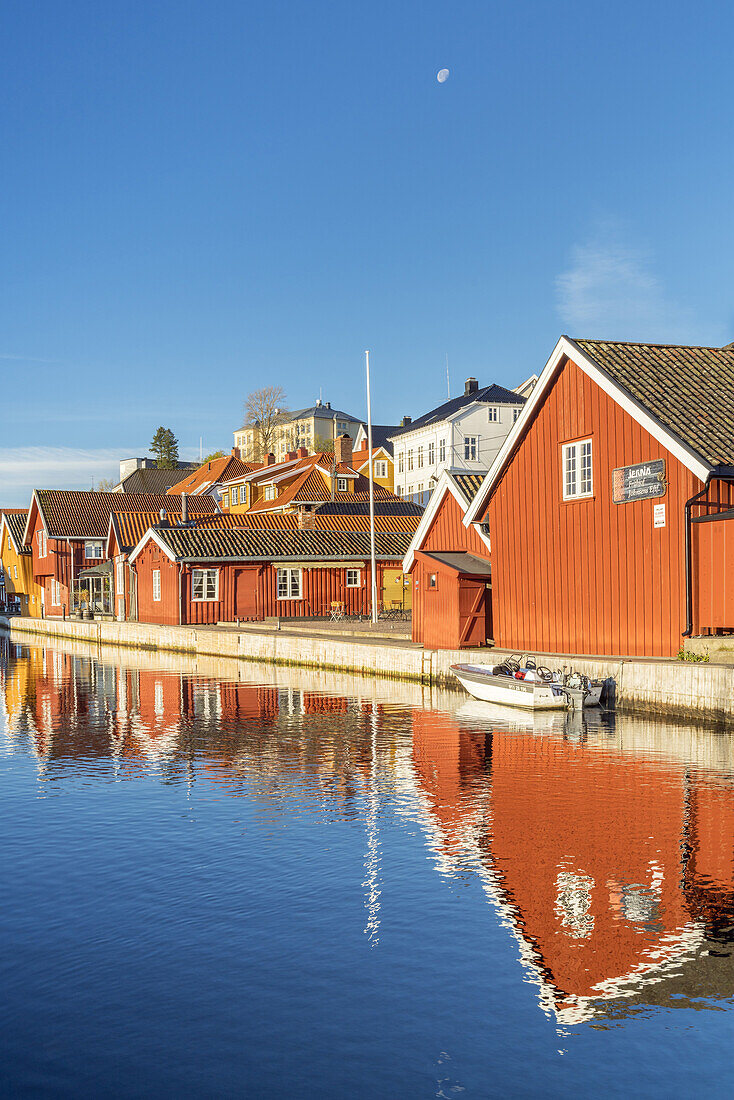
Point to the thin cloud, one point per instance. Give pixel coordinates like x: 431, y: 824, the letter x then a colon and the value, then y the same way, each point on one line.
x: 27, y: 359
x: 611, y: 292
x: 23, y: 469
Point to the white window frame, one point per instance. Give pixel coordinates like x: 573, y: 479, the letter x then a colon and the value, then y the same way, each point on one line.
x: 401, y: 462
x: 233, y: 497
x: 442, y: 450
x: 432, y: 453
x: 342, y: 485
x: 55, y: 594
x: 270, y: 492
x: 409, y: 456
x: 471, y: 448
x: 93, y: 544
x: 156, y: 586
x: 42, y: 543
x: 573, y: 458
x: 419, y: 457
x: 354, y: 578
x: 289, y: 583
x: 515, y: 414
x: 207, y: 575
x: 380, y: 467
x: 120, y: 578
x: 15, y: 572
x: 493, y: 414
x: 243, y: 494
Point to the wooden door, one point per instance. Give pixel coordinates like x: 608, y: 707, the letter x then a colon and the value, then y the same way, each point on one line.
x: 245, y: 594
x: 474, y: 602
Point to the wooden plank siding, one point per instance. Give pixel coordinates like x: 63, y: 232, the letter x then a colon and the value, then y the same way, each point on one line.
x: 713, y: 542
x: 588, y: 575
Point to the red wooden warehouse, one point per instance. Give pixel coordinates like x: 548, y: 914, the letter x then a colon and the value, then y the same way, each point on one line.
x: 596, y: 502
x: 207, y: 574
x: 450, y: 570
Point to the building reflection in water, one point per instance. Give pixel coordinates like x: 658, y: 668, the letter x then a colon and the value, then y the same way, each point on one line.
x: 606, y: 850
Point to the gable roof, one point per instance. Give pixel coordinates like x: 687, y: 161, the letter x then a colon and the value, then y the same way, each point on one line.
x: 15, y: 521
x: 129, y: 527
x: 382, y: 434
x: 323, y: 412
x: 488, y: 395
x: 210, y: 544
x: 463, y: 488
x: 313, y: 486
x: 75, y: 514
x: 153, y: 480
x: 212, y: 472
x: 683, y: 396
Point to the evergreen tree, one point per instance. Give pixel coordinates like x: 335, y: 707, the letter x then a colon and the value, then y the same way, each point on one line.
x: 164, y: 446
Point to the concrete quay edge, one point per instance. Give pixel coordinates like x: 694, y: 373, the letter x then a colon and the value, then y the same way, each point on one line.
x: 666, y: 688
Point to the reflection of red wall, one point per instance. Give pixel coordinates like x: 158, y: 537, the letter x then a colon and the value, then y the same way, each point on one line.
x: 589, y: 847
x: 313, y: 703
x: 160, y: 701
x: 246, y: 701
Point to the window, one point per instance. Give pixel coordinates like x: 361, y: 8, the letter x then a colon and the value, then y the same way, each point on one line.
x: 341, y: 426
x: 410, y: 459
x: 15, y: 572
x: 419, y: 462
x: 205, y: 584
x: 120, y: 582
x: 515, y: 414
x: 380, y: 468
x: 156, y: 585
x: 401, y: 462
x: 442, y: 450
x: 270, y: 492
x: 42, y: 543
x: 93, y: 550
x: 341, y: 484
x: 243, y: 494
x: 470, y: 448
x: 431, y: 454
x: 432, y: 580
x: 493, y: 414
x: 289, y: 584
x: 353, y: 578
x: 577, y: 470
x: 233, y: 497
x: 399, y: 490
x: 55, y: 594
x: 409, y: 490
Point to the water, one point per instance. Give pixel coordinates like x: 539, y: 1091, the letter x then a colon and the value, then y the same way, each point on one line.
x: 225, y: 880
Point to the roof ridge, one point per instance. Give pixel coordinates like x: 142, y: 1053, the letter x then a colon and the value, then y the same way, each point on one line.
x: 644, y: 344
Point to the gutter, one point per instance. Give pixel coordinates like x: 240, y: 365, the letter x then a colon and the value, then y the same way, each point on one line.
x: 202, y: 558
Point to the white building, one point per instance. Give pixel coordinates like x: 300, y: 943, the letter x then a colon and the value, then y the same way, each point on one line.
x: 463, y: 435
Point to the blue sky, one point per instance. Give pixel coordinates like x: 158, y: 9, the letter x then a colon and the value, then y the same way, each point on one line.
x: 201, y: 197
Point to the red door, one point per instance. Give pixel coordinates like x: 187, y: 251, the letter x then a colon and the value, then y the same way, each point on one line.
x: 474, y: 602
x: 245, y: 594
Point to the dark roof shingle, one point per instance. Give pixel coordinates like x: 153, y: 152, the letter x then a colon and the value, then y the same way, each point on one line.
x: 690, y: 390
x: 234, y: 544
x: 75, y: 514
x: 490, y: 395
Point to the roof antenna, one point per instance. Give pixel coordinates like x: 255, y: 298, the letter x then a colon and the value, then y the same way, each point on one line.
x: 448, y: 384
x: 201, y: 448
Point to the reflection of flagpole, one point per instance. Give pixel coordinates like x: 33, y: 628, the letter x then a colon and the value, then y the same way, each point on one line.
x: 372, y: 859
x: 372, y: 492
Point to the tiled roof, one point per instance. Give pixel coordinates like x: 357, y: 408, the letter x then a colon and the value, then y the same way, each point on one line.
x: 313, y: 486
x: 16, y: 521
x: 690, y: 390
x: 332, y: 521
x: 323, y: 413
x: 129, y: 527
x: 389, y: 506
x: 153, y: 480
x: 488, y: 395
x: 468, y: 484
x: 80, y: 515
x: 382, y: 434
x: 218, y: 469
x: 209, y: 544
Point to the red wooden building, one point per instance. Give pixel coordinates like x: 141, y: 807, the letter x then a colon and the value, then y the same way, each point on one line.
x: 208, y: 574
x: 450, y: 570
x: 593, y: 503
x: 68, y: 531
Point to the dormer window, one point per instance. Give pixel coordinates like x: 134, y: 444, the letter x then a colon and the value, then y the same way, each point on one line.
x: 270, y: 492
x: 342, y: 485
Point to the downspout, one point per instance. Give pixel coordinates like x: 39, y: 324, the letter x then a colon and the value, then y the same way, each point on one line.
x: 71, y: 576
x: 689, y: 554
x: 180, y: 607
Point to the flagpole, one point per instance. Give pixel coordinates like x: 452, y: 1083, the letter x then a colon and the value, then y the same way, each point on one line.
x: 372, y: 493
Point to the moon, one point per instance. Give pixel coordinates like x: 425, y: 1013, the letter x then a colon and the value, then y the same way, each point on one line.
x: 442, y: 76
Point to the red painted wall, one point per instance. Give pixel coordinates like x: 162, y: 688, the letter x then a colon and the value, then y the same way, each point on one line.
x: 587, y: 576
x: 165, y: 610
x: 713, y: 543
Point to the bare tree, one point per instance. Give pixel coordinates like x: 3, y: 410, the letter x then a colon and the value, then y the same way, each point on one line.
x: 105, y: 485
x: 265, y: 413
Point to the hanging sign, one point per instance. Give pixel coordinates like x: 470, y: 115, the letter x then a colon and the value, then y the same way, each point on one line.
x: 640, y: 482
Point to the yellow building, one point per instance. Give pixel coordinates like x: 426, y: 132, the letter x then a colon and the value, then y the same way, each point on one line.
x: 382, y: 466
x: 17, y: 563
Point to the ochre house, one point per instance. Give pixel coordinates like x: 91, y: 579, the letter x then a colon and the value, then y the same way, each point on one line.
x: 22, y: 593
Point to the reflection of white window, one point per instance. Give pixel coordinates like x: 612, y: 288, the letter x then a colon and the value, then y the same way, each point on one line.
x: 578, y: 478
x: 353, y: 578
x: 205, y: 584
x: 158, y: 699
x: 289, y: 584
x: 470, y: 448
x: 573, y: 904
x: 341, y: 484
x: 156, y: 585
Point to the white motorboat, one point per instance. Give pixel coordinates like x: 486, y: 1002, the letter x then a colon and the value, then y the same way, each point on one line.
x: 523, y: 684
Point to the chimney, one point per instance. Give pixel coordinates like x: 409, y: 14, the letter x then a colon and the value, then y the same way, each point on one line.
x: 406, y: 421
x: 302, y: 452
x: 184, y: 508
x: 291, y: 456
x: 343, y: 449
x: 306, y: 520
x: 163, y: 516
x: 328, y: 404
x: 235, y: 452
x: 470, y: 386
x: 269, y: 459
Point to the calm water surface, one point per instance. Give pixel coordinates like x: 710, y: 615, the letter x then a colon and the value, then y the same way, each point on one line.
x: 224, y: 880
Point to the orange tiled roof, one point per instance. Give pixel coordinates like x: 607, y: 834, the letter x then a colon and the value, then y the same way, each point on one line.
x: 79, y: 515
x: 288, y: 521
x: 210, y: 473
x: 129, y: 527
x: 313, y: 486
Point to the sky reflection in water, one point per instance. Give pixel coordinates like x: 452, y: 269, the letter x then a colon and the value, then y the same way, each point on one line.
x: 221, y: 879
